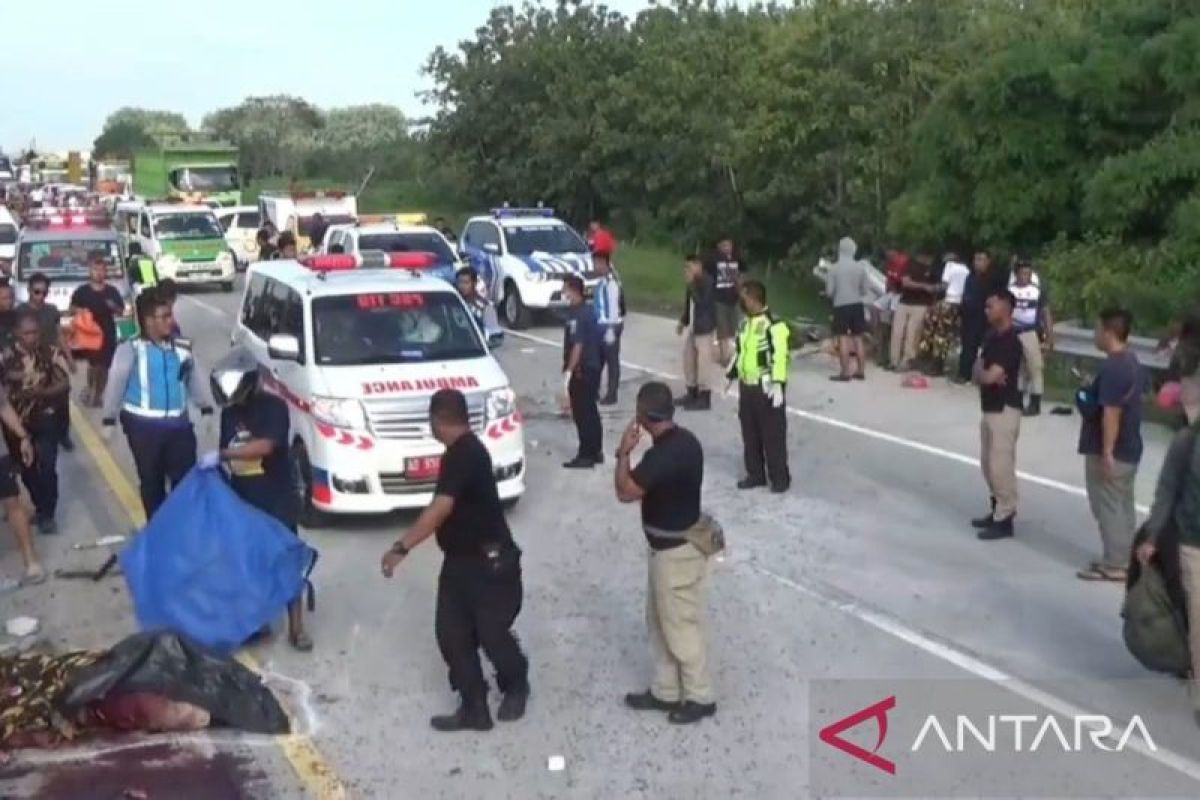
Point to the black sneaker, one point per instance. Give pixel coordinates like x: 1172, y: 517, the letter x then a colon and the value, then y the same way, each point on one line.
x: 750, y: 483
x: 646, y: 701
x: 512, y: 706
x: 780, y: 488
x: 579, y: 462
x: 688, y: 397
x: 690, y: 712
x: 464, y: 719
x: 47, y: 526
x: 999, y: 529
x: 986, y: 520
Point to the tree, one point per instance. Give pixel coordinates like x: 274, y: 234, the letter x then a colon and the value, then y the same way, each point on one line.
x: 127, y: 129
x: 273, y: 134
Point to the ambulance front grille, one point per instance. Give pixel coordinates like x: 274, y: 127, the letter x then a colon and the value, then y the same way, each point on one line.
x: 408, y: 419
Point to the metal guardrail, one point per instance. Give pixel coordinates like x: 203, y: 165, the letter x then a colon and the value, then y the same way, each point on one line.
x: 1072, y: 340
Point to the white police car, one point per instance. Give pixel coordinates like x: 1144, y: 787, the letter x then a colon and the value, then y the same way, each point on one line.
x: 523, y: 254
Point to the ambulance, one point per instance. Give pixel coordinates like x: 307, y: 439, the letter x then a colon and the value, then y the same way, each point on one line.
x: 294, y: 211
x: 356, y: 344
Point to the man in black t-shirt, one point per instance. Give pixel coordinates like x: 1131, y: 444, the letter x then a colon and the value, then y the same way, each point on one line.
x: 667, y: 482
x: 479, y: 588
x: 919, y: 287
x: 998, y: 371
x: 104, y: 303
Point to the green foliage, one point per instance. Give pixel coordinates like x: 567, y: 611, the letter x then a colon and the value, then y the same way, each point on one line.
x: 129, y: 128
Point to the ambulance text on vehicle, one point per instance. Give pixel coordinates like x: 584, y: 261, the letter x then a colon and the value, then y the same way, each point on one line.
x: 523, y: 254
x: 186, y: 243
x: 357, y: 351
x: 294, y: 211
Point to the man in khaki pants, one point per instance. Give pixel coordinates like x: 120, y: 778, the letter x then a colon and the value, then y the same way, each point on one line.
x: 667, y: 481
x: 918, y: 289
x: 1035, y: 329
x: 698, y: 326
x: 997, y: 371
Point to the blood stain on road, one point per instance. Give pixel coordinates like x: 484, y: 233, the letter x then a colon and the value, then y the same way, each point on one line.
x: 154, y: 772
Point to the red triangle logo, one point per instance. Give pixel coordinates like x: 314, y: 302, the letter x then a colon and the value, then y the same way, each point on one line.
x: 831, y: 734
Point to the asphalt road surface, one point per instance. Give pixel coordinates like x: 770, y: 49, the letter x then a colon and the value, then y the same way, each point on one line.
x: 864, y: 581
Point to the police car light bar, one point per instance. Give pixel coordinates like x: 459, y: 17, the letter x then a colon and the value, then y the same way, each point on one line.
x: 501, y: 213
x: 368, y: 259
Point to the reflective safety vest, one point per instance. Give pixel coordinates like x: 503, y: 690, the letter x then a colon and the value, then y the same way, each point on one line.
x: 147, y: 274
x: 159, y: 379
x: 762, y: 350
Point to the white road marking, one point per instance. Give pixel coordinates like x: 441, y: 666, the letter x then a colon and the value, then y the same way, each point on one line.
x: 1049, y: 483
x: 971, y: 664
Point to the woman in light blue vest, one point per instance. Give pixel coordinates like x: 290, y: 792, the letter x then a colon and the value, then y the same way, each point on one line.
x: 152, y: 379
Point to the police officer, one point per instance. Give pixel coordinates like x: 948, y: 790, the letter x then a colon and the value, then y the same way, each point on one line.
x: 479, y: 588
x: 143, y: 274
x: 253, y: 446
x: 760, y: 365
x: 153, y: 376
x: 581, y: 374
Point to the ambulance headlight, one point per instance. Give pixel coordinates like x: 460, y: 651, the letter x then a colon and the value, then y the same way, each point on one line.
x: 501, y: 403
x: 339, y: 412
x: 167, y: 265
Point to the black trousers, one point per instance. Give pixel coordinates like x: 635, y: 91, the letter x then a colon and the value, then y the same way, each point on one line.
x: 40, y: 477
x: 764, y: 436
x: 162, y: 454
x: 582, y: 391
x: 972, y: 327
x: 477, y: 609
x: 611, y: 362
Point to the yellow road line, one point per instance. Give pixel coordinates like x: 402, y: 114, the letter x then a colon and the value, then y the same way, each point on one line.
x: 310, y: 766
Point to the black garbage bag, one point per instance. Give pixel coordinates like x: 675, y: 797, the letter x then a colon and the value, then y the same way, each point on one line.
x: 173, y: 666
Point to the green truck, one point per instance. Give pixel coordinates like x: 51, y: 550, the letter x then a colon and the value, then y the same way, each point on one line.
x: 188, y: 168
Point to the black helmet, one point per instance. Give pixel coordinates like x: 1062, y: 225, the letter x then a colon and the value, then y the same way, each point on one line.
x: 234, y: 377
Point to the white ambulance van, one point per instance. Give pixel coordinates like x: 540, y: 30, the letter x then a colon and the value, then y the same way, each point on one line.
x: 357, y: 344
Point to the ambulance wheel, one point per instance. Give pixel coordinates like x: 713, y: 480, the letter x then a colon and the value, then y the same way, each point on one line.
x: 308, y: 515
x: 227, y: 287
x: 516, y: 314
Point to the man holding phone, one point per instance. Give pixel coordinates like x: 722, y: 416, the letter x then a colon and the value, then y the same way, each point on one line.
x: 667, y: 483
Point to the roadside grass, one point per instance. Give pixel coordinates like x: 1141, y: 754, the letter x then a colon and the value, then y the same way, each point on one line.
x: 653, y: 279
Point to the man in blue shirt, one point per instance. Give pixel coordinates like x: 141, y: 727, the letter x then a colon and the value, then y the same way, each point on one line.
x: 610, y: 317
x: 582, y: 341
x: 1110, y: 440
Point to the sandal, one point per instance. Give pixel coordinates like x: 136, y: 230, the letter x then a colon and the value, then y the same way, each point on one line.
x: 1097, y: 572
x: 301, y: 642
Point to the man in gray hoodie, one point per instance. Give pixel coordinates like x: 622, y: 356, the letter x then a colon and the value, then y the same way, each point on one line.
x: 847, y: 284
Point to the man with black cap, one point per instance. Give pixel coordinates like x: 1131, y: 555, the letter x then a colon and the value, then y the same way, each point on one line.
x: 479, y: 588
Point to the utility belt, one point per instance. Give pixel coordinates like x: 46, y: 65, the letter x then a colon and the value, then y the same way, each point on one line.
x: 705, y: 534
x: 495, y: 558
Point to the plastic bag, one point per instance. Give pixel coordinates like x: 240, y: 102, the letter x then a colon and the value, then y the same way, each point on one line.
x: 212, y: 567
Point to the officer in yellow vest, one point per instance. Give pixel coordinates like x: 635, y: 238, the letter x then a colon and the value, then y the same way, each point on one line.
x: 143, y: 274
x: 761, y: 368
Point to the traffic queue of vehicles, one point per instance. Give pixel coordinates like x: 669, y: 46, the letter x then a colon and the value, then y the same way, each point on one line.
x: 356, y: 334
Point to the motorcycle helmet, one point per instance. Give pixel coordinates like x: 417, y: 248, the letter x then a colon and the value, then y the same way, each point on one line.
x: 233, y: 377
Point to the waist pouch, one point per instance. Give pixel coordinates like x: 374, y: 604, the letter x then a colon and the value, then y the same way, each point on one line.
x: 501, y: 558
x: 705, y: 534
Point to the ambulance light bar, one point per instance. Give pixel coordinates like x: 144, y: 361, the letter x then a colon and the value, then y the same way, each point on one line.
x: 46, y: 218
x: 540, y: 211
x: 368, y: 259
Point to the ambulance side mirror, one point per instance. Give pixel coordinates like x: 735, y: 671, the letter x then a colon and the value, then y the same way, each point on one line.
x: 283, y: 347
x: 495, y: 339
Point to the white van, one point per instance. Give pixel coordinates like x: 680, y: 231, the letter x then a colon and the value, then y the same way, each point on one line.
x: 8, y: 240
x: 241, y: 224
x: 356, y: 345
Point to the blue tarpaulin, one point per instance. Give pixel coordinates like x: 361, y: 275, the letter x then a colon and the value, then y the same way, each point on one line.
x: 211, y: 566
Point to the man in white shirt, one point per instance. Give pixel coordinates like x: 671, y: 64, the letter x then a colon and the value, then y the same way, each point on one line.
x: 610, y: 317
x: 1035, y: 329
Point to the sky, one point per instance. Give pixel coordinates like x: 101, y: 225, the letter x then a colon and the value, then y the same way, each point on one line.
x: 94, y: 56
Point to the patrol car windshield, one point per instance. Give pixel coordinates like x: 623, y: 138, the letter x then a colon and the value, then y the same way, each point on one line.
x: 524, y: 240
x: 66, y: 258
x: 393, y: 328
x: 188, y: 226
x: 205, y: 179
x: 407, y: 243
x: 8, y: 234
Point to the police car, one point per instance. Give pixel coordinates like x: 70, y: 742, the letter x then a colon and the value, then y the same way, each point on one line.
x: 395, y: 233
x: 522, y: 254
x: 357, y: 344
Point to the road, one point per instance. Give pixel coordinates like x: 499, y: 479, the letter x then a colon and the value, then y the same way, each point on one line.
x: 864, y: 579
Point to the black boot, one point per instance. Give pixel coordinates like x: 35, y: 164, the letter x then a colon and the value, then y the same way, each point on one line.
x: 703, y: 402
x: 1035, y: 405
x: 999, y: 529
x: 468, y: 717
x: 688, y: 397
x: 512, y: 706
x: 985, y: 521
x: 691, y: 712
